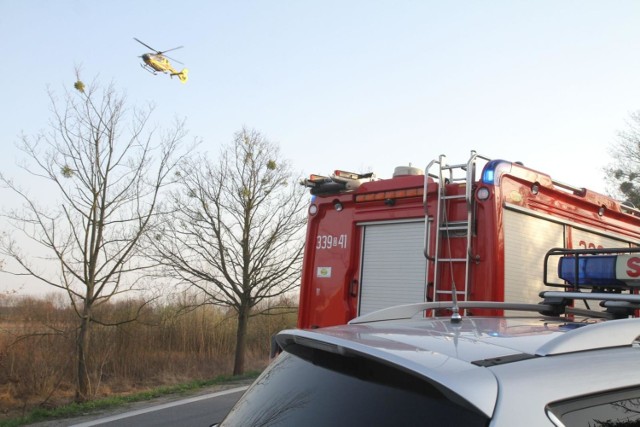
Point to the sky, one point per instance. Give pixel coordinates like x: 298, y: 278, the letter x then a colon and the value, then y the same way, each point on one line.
x: 352, y: 84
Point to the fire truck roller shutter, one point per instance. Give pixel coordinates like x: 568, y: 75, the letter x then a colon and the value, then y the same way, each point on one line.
x: 527, y: 239
x: 585, y: 239
x: 393, y: 266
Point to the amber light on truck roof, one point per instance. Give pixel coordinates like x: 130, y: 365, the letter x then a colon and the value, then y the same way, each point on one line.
x: 346, y: 175
x: 317, y: 178
x: 384, y: 195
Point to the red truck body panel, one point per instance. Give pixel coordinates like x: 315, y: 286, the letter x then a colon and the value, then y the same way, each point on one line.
x: 509, y: 217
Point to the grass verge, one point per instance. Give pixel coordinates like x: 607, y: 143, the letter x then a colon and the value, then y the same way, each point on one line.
x: 77, y: 409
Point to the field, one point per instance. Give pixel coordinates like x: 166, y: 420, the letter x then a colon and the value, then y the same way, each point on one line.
x: 167, y: 344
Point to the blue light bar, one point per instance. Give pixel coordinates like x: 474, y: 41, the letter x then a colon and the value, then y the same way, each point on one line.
x: 487, y: 176
x: 592, y: 271
x: 493, y: 170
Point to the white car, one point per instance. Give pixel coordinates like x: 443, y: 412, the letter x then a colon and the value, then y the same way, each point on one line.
x: 403, y: 367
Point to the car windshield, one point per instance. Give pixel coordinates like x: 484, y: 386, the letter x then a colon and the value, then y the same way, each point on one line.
x: 316, y: 388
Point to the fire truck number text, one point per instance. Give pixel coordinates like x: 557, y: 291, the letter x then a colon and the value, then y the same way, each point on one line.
x: 585, y: 245
x: 633, y: 265
x: 327, y: 241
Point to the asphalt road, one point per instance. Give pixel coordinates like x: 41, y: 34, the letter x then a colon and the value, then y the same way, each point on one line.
x: 197, y: 411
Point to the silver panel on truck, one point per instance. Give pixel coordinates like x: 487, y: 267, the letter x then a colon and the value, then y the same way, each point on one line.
x: 527, y: 239
x: 393, y: 266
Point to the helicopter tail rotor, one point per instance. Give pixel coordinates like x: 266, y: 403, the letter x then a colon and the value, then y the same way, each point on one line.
x: 182, y: 75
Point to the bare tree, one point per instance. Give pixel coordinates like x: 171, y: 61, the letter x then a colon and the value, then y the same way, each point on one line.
x: 624, y: 173
x: 106, y: 171
x: 235, y: 229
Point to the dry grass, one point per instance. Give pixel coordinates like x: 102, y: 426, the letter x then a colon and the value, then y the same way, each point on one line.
x: 165, y: 346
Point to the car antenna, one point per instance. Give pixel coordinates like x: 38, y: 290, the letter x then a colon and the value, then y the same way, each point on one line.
x: 455, y: 315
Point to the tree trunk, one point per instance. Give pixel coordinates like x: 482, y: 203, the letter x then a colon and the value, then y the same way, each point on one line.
x: 81, y: 352
x: 241, y: 340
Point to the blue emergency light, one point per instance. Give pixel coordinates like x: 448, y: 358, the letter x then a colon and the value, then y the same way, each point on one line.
x: 592, y: 270
x: 487, y: 176
x: 493, y: 170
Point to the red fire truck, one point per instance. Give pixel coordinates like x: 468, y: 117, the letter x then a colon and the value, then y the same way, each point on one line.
x: 479, y: 229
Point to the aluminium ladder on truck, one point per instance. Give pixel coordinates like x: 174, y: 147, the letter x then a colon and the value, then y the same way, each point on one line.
x: 445, y: 226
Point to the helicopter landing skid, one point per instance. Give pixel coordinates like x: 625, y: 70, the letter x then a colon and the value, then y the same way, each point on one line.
x: 149, y: 69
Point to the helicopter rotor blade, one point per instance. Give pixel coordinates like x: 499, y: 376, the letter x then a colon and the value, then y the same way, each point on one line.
x: 158, y: 52
x: 146, y: 45
x: 173, y: 60
x: 169, y: 50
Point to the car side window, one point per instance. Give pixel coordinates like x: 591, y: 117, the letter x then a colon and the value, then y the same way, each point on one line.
x: 618, y: 408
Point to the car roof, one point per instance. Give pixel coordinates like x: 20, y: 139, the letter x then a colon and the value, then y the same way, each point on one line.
x: 455, y: 356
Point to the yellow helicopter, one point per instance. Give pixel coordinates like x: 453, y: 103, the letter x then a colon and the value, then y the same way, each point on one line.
x: 158, y: 62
